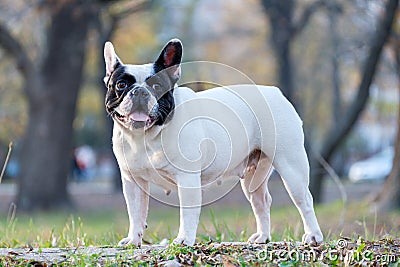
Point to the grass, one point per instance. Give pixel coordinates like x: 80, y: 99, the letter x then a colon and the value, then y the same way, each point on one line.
x: 227, y: 223
x: 217, y: 223
x: 108, y: 227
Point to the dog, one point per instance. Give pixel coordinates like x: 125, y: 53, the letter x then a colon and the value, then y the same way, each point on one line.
x: 182, y: 140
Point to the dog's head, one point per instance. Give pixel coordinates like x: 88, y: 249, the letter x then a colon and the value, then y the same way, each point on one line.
x: 141, y: 96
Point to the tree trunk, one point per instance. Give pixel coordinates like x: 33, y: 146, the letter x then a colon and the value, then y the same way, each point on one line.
x: 46, y: 151
x: 285, y: 71
x: 280, y: 14
x: 338, y: 134
x: 336, y: 83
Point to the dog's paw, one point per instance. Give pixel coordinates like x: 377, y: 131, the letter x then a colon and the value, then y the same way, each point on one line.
x: 313, y: 238
x: 183, y: 241
x: 259, y: 238
x: 131, y: 241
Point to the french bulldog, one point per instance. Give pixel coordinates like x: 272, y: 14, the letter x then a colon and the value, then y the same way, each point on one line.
x: 181, y: 140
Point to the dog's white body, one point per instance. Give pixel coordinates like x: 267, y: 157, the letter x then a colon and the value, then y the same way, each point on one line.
x: 212, y: 135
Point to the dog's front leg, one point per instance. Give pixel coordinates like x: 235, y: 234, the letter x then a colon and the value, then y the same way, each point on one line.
x: 137, y: 201
x: 189, y: 191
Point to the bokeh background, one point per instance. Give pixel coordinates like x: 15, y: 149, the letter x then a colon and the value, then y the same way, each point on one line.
x: 337, y: 61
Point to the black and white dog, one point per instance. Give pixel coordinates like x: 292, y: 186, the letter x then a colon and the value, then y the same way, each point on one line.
x: 182, y: 140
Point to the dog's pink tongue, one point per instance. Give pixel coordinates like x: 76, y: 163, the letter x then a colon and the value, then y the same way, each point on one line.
x: 139, y: 116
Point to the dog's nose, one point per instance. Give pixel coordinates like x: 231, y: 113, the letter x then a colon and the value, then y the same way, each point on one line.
x: 141, y: 92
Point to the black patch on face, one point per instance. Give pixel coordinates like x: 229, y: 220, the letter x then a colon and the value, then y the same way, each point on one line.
x: 166, y: 106
x: 115, y: 96
x: 164, y: 95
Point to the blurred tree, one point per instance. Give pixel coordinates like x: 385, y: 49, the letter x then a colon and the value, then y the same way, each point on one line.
x: 51, y: 86
x: 284, y: 29
x: 389, y: 197
x: 338, y: 132
x: 333, y: 13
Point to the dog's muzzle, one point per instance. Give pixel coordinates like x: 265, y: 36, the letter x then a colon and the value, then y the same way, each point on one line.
x: 140, y: 98
x: 140, y: 93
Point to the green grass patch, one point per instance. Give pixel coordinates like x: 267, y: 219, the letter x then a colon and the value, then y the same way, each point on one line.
x: 217, y: 223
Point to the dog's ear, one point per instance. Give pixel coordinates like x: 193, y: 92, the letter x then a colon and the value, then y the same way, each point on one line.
x: 170, y: 59
x: 111, y: 59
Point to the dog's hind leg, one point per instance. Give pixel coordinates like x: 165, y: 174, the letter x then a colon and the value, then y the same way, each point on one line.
x: 255, y: 188
x: 294, y: 170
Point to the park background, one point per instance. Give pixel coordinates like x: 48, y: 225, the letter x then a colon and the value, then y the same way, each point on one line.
x: 337, y: 61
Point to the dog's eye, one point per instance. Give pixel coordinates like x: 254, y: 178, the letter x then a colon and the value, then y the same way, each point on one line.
x: 156, y: 86
x: 121, y: 85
